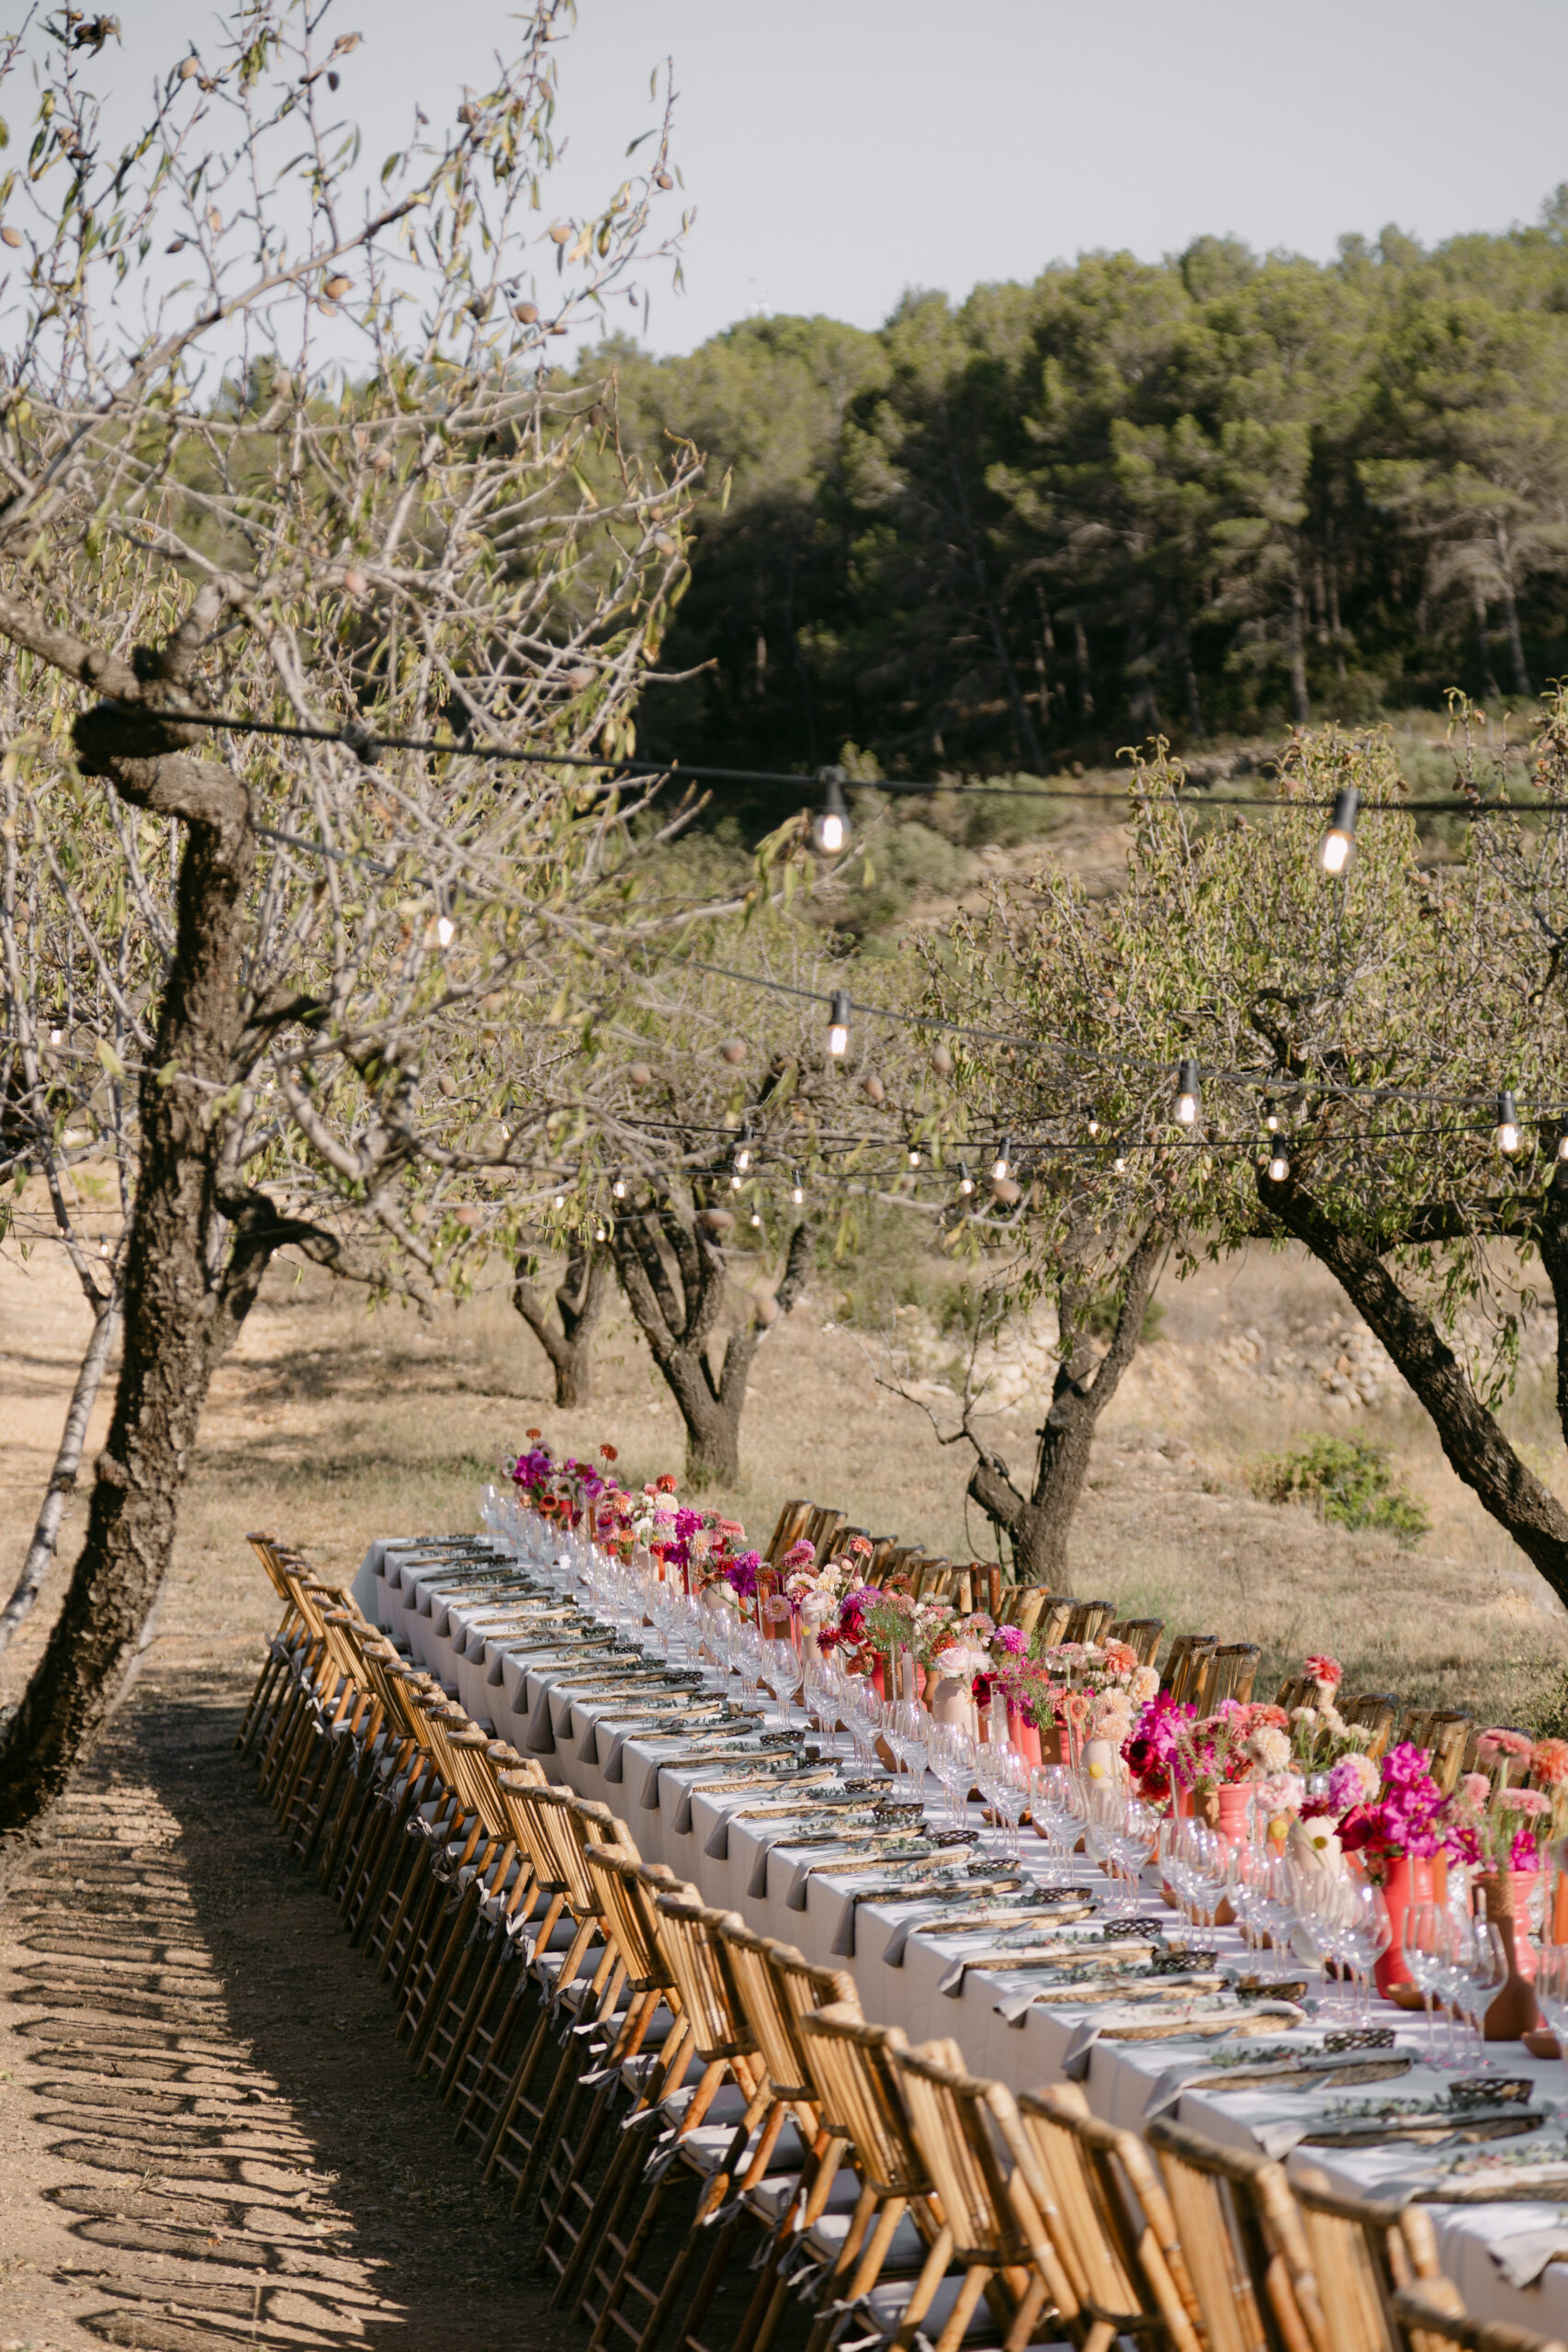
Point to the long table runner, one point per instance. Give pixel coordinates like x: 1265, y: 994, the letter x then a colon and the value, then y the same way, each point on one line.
x: 1509, y: 2259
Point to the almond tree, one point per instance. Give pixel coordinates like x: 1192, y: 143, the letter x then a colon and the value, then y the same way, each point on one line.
x: 315, y: 949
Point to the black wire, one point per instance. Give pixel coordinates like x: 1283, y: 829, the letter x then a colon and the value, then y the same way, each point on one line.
x: 366, y: 742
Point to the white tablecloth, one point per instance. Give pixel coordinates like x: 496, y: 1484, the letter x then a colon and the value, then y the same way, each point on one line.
x: 899, y: 1963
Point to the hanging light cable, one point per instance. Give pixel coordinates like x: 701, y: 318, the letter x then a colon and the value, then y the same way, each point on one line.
x: 831, y: 830
x: 1335, y: 854
x: 1187, y: 1097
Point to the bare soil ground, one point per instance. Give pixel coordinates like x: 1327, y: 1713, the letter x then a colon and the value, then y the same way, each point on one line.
x: 208, y: 2135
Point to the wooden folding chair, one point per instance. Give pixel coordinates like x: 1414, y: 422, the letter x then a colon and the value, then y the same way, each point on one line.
x: 860, y: 2103
x: 1088, y: 1620
x: 1243, y: 2243
x: 1444, y: 1732
x: 275, y: 1668
x: 618, y: 2296
x: 1051, y: 1624
x: 1110, y: 2221
x: 564, y: 1827
x: 568, y: 2198
x: 823, y: 1529
x: 1434, y: 2319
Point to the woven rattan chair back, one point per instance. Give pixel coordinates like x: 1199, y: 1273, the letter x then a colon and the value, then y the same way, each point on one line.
x: 1363, y: 2251
x: 1231, y: 1672
x: 1141, y: 1635
x: 775, y: 1987
x: 823, y: 1529
x: 1110, y: 2221
x: 951, y: 2120
x: 859, y: 2098
x: 1186, y: 1663
x: 627, y: 1890
x: 788, y: 1528
x: 1378, y: 1712
x: 689, y: 1932
x: 1088, y: 1620
x: 1242, y: 2239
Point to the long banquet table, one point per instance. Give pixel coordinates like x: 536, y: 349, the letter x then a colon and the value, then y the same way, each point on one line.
x: 1509, y: 2259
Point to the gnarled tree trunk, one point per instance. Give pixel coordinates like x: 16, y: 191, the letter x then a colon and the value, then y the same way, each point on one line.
x: 673, y: 1277
x: 1037, y: 1524
x: 580, y: 1301
x: 185, y: 1290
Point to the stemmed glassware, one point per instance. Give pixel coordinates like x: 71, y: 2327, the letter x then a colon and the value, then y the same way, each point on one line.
x: 908, y: 1732
x: 1055, y: 1800
x: 952, y: 1761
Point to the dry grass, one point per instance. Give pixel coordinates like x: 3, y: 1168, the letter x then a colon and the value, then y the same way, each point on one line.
x: 330, y: 1427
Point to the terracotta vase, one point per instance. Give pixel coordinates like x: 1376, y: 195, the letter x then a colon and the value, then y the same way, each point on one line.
x: 1025, y: 1737
x: 1233, y: 1812
x: 1560, y: 1909
x: 948, y: 1699
x: 1515, y: 2011
x: 879, y: 1674
x: 1406, y: 1880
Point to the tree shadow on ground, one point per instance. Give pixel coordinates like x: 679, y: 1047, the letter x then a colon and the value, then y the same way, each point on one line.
x: 245, y: 2157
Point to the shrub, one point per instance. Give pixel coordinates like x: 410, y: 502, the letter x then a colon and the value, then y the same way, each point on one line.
x: 1346, y: 1480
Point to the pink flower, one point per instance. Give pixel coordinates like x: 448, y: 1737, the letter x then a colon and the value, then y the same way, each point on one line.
x: 1499, y: 1742
x: 1530, y: 1802
x: 1475, y: 1789
x: 1327, y: 1672
x: 1011, y: 1639
x: 800, y: 1555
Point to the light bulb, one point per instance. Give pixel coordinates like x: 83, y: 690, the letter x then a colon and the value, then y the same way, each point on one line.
x: 560, y: 1200
x: 1507, y: 1132
x: 831, y: 830
x: 1335, y: 854
x: 797, y: 1191
x: 54, y: 1036
x: 1187, y: 1095
x: 755, y: 1219
x: 599, y: 1233
x: 966, y: 1181
x: 1563, y: 1140
x: 446, y: 931
x: 1093, y: 1125
x: 1119, y: 1166
x: 1271, y: 1121
x: 103, y: 1249
x: 619, y: 1188
x: 1279, y: 1161
x: 735, y: 1184
x: 838, y: 1023
x: 743, y: 1159
x: 914, y: 1158
x: 1002, y: 1166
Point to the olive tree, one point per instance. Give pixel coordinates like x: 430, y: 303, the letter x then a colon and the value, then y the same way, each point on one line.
x: 316, y: 949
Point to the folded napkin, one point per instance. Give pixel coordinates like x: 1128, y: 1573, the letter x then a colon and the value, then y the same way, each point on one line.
x: 1523, y: 2256
x: 541, y: 1736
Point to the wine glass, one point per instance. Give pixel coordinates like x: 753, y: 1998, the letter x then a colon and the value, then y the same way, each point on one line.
x: 1484, y: 1966
x: 908, y: 1735
x: 952, y: 1759
x: 1055, y: 1805
x: 1424, y: 1935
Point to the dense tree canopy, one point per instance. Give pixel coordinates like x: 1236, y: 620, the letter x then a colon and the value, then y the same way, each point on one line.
x: 1207, y: 494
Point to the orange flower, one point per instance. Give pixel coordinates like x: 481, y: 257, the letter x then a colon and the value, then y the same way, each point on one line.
x: 533, y: 1436
x: 609, y: 1454
x: 1548, y: 1763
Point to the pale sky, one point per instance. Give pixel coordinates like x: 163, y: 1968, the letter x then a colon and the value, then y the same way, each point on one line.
x: 840, y: 151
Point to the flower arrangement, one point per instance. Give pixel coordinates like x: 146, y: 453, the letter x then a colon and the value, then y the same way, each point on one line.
x: 1408, y: 1814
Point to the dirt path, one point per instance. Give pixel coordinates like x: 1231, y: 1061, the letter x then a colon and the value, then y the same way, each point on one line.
x: 207, y: 2134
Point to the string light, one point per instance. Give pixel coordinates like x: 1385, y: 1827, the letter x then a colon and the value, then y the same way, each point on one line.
x: 1507, y: 1130
x: 1187, y: 1094
x: 743, y: 1151
x: 1337, y: 841
x: 618, y: 1189
x: 914, y: 1158
x: 1094, y: 1126
x: 1563, y: 1140
x: 1270, y: 1117
x: 560, y: 1200
x: 1002, y: 1166
x: 755, y: 1219
x: 1279, y: 1161
x: 966, y: 1181
x: 831, y: 830
x: 1119, y: 1166
x: 838, y: 1023
x: 103, y: 1249
x: 54, y: 1036
x: 797, y: 1190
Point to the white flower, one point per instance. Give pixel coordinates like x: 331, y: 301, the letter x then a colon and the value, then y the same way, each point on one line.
x: 962, y: 1660
x: 1144, y: 1685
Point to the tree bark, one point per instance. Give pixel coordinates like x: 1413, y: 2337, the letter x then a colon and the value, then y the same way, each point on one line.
x: 1038, y: 1525
x: 580, y: 1301
x: 185, y: 1292
x: 1476, y: 1448
x: 62, y: 1477
x: 672, y: 1277
x: 1296, y: 649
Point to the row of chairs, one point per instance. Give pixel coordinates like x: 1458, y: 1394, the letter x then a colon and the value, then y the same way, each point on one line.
x: 1198, y: 1668
x: 711, y: 2145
